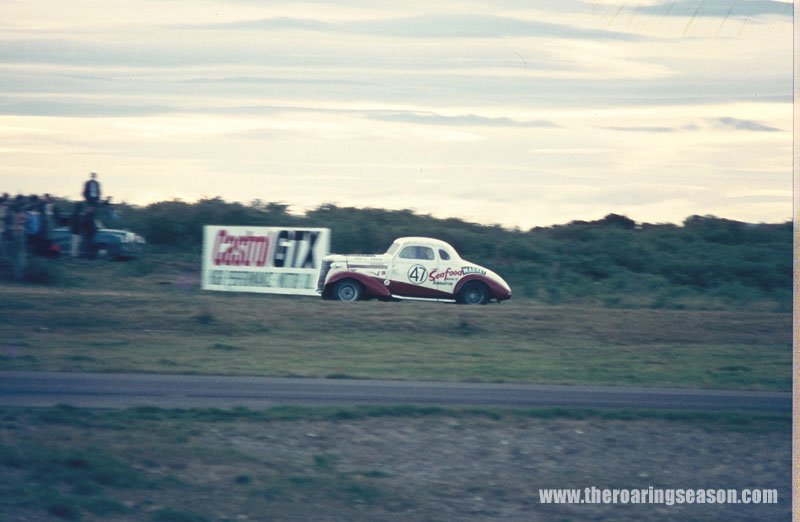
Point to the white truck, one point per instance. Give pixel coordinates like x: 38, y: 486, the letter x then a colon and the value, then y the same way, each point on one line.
x: 417, y: 268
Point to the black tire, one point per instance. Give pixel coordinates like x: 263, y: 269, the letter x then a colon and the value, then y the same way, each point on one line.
x: 348, y: 290
x: 473, y: 293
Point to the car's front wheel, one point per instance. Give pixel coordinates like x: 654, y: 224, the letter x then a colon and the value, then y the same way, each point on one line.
x: 348, y: 290
x: 474, y: 292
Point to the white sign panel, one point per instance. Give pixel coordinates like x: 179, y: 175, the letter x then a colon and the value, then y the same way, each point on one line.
x: 264, y: 259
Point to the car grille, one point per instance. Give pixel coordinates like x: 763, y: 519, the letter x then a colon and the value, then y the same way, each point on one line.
x: 323, y: 273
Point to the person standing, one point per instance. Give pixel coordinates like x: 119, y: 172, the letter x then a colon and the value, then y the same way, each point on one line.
x: 19, y: 247
x: 50, y: 219
x: 91, y: 190
x: 75, y: 230
x: 5, y: 219
x: 33, y: 225
x: 88, y: 230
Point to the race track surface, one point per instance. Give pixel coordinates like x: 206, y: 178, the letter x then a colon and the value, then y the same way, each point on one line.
x: 106, y: 390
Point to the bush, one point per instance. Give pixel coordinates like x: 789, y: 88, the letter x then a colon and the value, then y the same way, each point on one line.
x: 612, y: 260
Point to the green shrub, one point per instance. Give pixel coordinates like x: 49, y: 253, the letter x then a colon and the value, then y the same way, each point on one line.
x: 612, y: 260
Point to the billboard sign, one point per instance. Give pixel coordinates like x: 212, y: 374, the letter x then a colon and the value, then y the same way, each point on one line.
x: 263, y: 259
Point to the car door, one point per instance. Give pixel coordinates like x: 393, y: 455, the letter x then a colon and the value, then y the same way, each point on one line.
x: 448, y: 273
x: 411, y: 269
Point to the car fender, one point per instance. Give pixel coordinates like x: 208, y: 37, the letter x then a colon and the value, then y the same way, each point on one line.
x: 372, y: 287
x: 497, y: 290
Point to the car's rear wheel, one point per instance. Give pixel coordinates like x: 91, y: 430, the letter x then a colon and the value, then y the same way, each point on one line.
x: 474, y: 292
x: 348, y: 290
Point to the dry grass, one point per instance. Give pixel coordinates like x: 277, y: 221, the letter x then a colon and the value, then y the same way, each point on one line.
x: 161, y: 322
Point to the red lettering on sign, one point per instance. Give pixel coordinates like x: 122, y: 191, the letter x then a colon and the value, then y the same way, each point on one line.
x: 435, y: 275
x: 246, y: 250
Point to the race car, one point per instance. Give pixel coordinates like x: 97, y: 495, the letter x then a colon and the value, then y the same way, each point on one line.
x: 418, y: 268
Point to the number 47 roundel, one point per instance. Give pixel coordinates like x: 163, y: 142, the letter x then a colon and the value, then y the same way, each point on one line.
x: 417, y: 274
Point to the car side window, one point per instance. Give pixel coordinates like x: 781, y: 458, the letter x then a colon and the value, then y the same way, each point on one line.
x: 417, y: 252
x: 444, y: 255
x: 408, y: 252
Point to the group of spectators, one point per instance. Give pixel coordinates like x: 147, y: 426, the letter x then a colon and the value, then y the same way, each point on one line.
x: 28, y: 224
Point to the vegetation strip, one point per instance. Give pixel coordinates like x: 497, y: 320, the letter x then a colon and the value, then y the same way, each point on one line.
x: 706, y: 262
x: 114, y: 419
x: 149, y: 327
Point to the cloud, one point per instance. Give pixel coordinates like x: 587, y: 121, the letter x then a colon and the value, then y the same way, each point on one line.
x: 642, y: 129
x: 429, y: 118
x: 80, y: 109
x: 263, y: 80
x: 745, y: 125
x: 270, y: 24
x: 653, y: 128
x: 308, y: 101
x: 718, y: 8
x: 482, y: 26
x: 86, y: 53
x: 428, y: 26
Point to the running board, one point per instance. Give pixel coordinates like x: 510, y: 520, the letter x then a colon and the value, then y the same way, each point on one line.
x: 431, y: 299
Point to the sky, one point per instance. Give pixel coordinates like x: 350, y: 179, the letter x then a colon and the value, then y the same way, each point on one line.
x: 519, y: 113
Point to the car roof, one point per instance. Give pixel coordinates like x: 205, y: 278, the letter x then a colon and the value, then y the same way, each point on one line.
x: 429, y: 241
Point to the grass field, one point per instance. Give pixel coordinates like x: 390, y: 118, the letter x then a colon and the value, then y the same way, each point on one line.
x: 150, y: 316
x: 301, y: 463
x: 374, y: 463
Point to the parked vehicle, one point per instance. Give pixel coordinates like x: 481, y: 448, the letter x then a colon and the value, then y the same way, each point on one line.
x: 109, y: 243
x: 413, y: 268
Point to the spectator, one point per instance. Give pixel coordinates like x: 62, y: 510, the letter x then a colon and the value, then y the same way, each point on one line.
x: 5, y: 222
x: 19, y: 252
x: 33, y: 225
x: 75, y: 229
x: 50, y: 218
x: 91, y: 190
x: 88, y: 230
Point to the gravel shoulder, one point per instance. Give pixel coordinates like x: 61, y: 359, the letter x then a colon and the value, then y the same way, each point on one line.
x: 482, y: 469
